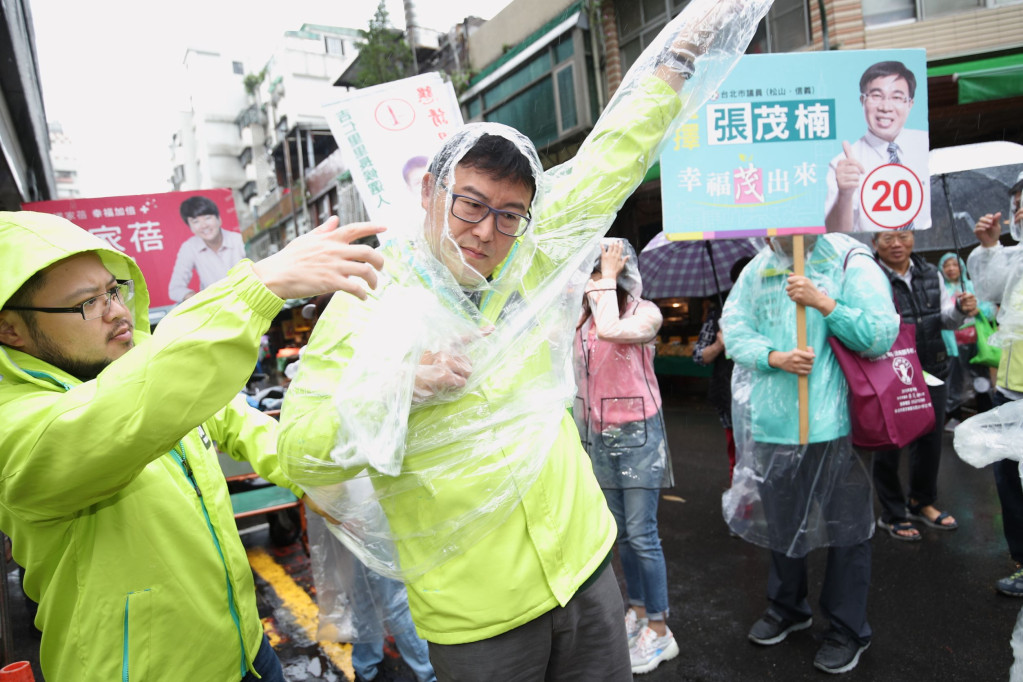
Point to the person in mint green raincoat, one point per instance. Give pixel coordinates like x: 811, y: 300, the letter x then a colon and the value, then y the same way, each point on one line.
x: 960, y: 378
x: 110, y: 486
x: 793, y: 498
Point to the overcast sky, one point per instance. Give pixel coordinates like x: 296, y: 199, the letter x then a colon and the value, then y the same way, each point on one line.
x: 110, y: 69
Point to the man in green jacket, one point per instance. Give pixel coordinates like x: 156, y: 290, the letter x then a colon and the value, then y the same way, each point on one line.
x: 448, y: 454
x: 110, y: 488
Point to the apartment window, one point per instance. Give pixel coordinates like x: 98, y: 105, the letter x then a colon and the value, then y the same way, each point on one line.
x: 335, y: 46
x: 538, y: 98
x: 238, y: 68
x: 879, y: 12
x: 786, y: 27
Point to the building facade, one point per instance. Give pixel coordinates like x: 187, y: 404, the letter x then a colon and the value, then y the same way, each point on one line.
x: 65, y: 163
x: 26, y: 173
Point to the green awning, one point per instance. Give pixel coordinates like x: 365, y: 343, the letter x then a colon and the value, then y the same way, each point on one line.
x: 985, y: 79
x: 654, y: 173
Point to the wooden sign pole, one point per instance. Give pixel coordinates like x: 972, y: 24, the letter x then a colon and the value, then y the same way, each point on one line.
x: 799, y: 268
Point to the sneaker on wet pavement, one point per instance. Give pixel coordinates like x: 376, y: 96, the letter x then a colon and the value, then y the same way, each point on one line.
x: 633, y: 626
x: 839, y: 653
x: 772, y: 629
x: 1012, y: 585
x: 650, y: 651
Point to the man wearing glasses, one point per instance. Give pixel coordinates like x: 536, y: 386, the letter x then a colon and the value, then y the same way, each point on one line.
x: 921, y: 299
x: 111, y: 489
x: 461, y: 436
x: 886, y: 93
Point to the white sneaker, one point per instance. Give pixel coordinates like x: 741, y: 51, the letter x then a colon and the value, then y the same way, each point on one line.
x: 633, y: 626
x: 650, y: 651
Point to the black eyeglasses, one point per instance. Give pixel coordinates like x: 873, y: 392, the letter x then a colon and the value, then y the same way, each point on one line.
x: 472, y: 210
x: 97, y: 306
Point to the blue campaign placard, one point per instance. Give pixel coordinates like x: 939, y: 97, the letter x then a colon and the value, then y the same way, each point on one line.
x: 803, y: 143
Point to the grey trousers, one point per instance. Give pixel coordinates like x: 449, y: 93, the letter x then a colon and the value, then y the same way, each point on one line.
x: 584, y: 640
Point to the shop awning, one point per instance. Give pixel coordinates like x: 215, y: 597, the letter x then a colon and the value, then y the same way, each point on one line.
x: 981, y: 80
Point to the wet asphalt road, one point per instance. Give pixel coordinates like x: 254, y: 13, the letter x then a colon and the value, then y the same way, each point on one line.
x: 933, y: 607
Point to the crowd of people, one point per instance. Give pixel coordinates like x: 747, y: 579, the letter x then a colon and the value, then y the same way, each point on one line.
x: 477, y: 485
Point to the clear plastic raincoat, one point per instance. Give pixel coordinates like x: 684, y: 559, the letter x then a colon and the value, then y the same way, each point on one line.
x: 997, y: 274
x: 788, y: 497
x: 483, y: 500
x: 618, y: 404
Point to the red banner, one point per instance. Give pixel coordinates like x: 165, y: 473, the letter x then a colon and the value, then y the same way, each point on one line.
x: 147, y: 227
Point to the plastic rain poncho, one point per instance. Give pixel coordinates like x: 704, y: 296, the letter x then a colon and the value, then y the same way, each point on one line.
x: 448, y: 466
x: 997, y: 274
x: 788, y: 497
x: 618, y: 405
x: 355, y: 604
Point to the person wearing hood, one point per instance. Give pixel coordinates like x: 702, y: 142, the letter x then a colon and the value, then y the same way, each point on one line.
x: 953, y: 273
x: 998, y: 276
x: 789, y: 497
x: 621, y: 423
x: 449, y: 390
x: 112, y: 492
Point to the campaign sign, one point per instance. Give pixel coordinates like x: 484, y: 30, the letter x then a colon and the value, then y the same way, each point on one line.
x: 147, y: 227
x: 387, y: 135
x: 804, y: 143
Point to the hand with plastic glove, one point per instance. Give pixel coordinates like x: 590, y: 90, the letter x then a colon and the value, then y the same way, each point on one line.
x: 795, y: 361
x: 678, y: 60
x: 988, y: 228
x: 323, y: 261
x: 804, y: 292
x: 439, y: 373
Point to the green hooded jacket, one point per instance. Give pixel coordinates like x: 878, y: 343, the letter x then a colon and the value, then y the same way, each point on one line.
x: 559, y: 531
x: 110, y: 489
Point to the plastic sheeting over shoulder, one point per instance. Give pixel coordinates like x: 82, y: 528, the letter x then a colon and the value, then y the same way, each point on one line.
x: 489, y: 292
x: 990, y: 436
x: 355, y: 604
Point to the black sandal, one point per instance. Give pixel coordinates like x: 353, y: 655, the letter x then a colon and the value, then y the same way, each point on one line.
x: 894, y: 529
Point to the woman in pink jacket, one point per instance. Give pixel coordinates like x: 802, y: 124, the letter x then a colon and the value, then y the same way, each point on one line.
x: 618, y: 411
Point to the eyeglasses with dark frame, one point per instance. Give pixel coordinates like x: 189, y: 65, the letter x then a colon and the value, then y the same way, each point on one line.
x: 472, y: 210
x: 97, y: 306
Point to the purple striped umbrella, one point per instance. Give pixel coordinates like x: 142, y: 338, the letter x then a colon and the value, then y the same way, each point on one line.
x: 690, y: 268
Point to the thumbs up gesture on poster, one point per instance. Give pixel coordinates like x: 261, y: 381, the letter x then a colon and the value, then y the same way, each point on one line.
x: 848, y: 171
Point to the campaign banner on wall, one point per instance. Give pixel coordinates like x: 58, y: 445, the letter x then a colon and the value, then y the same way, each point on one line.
x: 151, y: 229
x: 388, y: 133
x: 803, y: 143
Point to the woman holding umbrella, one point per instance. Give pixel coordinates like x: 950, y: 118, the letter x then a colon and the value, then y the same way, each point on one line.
x: 622, y: 428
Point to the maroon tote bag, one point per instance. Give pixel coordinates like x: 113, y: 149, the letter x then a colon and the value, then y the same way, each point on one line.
x: 889, y: 403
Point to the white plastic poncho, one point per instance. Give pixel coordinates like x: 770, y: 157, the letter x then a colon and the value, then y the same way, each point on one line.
x: 448, y: 464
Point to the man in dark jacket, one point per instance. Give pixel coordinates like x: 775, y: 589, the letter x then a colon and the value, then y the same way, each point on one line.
x: 921, y: 299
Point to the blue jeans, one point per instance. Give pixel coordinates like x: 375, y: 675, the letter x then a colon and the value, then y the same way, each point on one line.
x: 639, y: 547
x: 366, y: 656
x: 266, y: 664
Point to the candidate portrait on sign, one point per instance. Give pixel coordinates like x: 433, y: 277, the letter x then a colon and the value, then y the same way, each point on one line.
x: 886, y: 93
x: 210, y: 252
